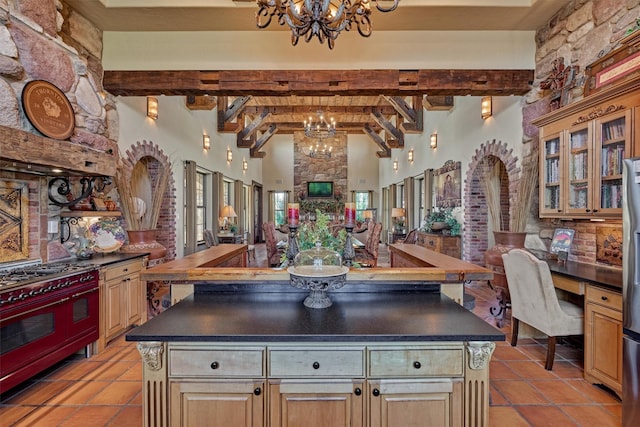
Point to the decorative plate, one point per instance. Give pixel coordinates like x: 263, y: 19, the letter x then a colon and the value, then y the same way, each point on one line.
x: 48, y: 109
x: 106, y: 236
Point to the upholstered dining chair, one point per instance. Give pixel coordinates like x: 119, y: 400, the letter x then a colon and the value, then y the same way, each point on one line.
x: 412, y: 237
x: 534, y: 301
x: 210, y: 239
x: 273, y: 255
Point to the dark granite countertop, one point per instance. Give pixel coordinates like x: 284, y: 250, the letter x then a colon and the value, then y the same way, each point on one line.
x: 101, y: 260
x: 281, y: 317
x: 598, y: 274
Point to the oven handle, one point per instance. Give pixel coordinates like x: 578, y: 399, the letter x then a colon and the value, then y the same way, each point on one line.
x: 84, y: 292
x: 51, y: 304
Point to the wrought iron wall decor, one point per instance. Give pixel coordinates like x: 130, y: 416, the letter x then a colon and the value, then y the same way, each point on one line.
x: 60, y: 189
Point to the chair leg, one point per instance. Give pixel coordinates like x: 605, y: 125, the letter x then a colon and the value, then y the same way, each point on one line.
x: 551, y: 352
x: 514, y: 331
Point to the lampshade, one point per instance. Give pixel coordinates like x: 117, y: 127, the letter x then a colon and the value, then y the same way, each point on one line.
x: 228, y: 212
x: 367, y: 214
x: 397, y: 212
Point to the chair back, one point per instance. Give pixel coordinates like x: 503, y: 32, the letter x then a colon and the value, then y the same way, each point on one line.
x: 412, y: 237
x: 533, y: 296
x: 210, y: 239
x: 269, y: 229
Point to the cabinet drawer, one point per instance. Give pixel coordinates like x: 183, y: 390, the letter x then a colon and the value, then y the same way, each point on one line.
x: 345, y: 362
x: 604, y: 297
x: 122, y: 269
x: 216, y: 362
x: 416, y: 362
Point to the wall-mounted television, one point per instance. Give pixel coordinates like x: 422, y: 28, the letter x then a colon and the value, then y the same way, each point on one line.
x: 320, y: 189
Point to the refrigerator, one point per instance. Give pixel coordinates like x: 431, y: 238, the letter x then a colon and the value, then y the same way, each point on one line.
x: 631, y: 293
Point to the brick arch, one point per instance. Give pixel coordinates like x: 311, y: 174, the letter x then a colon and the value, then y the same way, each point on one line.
x: 475, y: 235
x: 166, y: 234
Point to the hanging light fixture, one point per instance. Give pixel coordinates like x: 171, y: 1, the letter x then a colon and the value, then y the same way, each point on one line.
x: 319, y: 130
x: 324, y: 19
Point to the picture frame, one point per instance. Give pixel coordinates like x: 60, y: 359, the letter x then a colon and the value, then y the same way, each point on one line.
x: 448, y: 185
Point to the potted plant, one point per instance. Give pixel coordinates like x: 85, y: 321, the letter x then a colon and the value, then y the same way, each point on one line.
x: 442, y: 219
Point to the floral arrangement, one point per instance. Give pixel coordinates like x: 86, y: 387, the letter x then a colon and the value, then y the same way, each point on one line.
x: 445, y: 216
x: 320, y: 231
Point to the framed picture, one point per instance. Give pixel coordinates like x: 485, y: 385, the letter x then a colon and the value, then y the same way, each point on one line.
x: 447, y: 181
x: 561, y: 242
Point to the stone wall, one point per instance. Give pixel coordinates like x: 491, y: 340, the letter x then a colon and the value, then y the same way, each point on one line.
x: 46, y: 40
x: 580, y: 33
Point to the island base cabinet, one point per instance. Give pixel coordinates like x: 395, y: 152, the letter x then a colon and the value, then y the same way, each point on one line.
x: 415, y: 403
x: 316, y: 403
x: 216, y: 404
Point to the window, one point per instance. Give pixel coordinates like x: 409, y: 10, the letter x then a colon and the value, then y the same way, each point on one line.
x: 227, y: 192
x: 280, y: 207
x: 362, y: 200
x: 201, y: 206
x: 420, y: 191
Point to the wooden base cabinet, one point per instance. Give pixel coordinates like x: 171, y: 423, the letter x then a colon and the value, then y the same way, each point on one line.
x: 448, y: 245
x: 315, y: 385
x: 603, y: 338
x: 123, y: 299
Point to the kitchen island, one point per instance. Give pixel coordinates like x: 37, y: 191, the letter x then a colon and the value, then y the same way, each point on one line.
x: 249, y: 353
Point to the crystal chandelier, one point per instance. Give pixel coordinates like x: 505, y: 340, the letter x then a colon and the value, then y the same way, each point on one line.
x: 319, y: 130
x: 323, y: 19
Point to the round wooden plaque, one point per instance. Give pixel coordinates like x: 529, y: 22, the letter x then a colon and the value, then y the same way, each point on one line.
x: 48, y: 109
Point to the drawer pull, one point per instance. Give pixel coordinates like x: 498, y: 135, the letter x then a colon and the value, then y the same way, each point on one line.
x: 257, y: 391
x: 432, y: 243
x: 215, y: 365
x: 376, y: 392
x: 604, y: 298
x: 357, y: 391
x: 316, y: 365
x: 417, y: 365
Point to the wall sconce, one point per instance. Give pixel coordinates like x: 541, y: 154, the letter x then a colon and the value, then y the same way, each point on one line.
x: 395, y: 165
x: 410, y: 156
x: 152, y: 107
x: 486, y: 107
x: 245, y: 165
x: 229, y: 155
x: 434, y: 140
x: 206, y: 142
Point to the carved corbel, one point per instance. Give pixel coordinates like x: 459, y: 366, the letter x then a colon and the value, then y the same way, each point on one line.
x: 480, y: 354
x: 151, y: 353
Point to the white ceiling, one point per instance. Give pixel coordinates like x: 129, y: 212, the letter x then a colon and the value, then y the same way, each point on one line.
x: 239, y: 15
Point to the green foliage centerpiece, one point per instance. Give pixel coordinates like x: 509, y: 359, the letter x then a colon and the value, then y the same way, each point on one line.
x: 320, y: 231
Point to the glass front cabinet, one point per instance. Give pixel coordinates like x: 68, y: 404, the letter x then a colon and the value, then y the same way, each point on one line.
x: 581, y: 152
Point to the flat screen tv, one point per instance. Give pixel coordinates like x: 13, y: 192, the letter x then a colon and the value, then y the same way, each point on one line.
x: 321, y: 189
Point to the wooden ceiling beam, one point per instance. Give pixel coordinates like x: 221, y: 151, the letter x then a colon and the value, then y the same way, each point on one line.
x: 319, y: 82
x: 411, y: 113
x: 228, y: 113
x: 254, y: 152
x: 385, y: 151
x: 246, y: 137
x: 395, y: 137
x: 328, y: 111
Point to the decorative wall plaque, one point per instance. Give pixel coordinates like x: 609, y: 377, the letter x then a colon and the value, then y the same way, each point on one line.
x: 48, y: 109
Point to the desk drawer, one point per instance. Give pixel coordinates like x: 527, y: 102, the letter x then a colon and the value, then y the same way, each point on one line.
x: 416, y: 362
x: 604, y: 297
x: 344, y: 362
x: 223, y: 363
x: 122, y: 269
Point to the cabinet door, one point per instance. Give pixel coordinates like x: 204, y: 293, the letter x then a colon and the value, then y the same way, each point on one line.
x: 415, y: 403
x: 133, y: 298
x: 612, y: 145
x: 114, y: 315
x: 579, y: 186
x: 216, y: 404
x: 316, y: 403
x: 603, y: 346
x: 551, y: 171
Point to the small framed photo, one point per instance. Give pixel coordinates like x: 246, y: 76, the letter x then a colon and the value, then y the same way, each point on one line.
x: 561, y: 242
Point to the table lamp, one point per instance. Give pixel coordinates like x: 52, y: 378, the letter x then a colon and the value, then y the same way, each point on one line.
x: 227, y: 212
x: 398, y: 213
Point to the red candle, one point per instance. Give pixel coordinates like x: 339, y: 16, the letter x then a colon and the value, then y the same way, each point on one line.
x: 350, y: 213
x: 293, y: 213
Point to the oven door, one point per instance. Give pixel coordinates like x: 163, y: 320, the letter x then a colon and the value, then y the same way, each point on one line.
x: 82, y: 314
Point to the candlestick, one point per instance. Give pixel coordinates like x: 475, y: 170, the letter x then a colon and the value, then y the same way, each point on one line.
x: 348, y: 253
x: 350, y: 213
x: 293, y: 214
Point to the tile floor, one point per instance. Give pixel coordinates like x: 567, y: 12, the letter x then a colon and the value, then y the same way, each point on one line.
x: 105, y: 390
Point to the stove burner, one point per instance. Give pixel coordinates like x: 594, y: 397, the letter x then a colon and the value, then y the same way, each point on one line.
x: 30, y: 273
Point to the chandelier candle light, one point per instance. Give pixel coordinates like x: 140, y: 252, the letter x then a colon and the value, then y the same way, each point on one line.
x: 324, y: 19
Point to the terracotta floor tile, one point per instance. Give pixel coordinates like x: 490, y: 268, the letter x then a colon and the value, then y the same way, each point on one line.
x: 130, y: 416
x: 520, y: 392
x: 546, y: 416
x: 593, y: 392
x: 134, y: 373
x: 616, y: 409
x: 500, y: 371
x: 39, y: 393
x: 75, y: 370
x: 78, y: 393
x: 534, y: 352
x: 496, y: 398
x: 592, y: 416
x: 506, y: 417
x: 117, y: 393
x: 110, y: 371
x: 508, y: 353
x: 11, y: 414
x: 530, y: 370
x: 558, y: 392
x: 47, y: 416
x: 565, y: 369
x: 91, y: 416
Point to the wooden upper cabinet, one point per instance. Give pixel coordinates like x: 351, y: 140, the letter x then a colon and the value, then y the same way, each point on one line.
x: 581, y: 150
